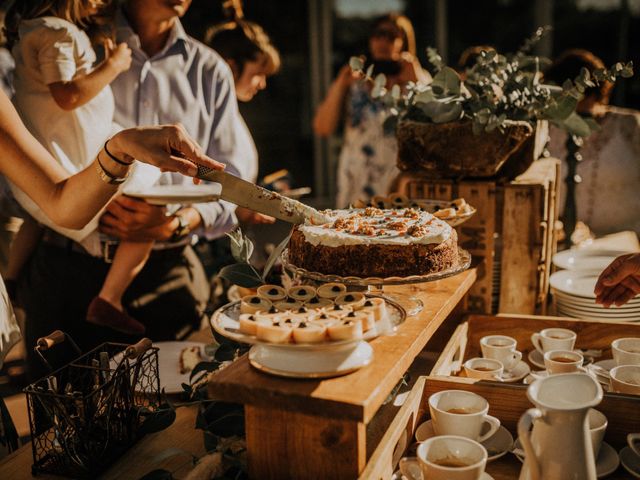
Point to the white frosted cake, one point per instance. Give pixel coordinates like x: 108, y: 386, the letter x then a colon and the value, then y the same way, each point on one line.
x: 375, y: 242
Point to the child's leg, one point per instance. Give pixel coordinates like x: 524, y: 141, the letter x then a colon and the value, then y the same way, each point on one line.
x: 106, y: 308
x: 129, y: 259
x: 23, y: 246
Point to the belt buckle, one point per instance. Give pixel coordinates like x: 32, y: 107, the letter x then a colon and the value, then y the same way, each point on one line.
x: 107, y: 251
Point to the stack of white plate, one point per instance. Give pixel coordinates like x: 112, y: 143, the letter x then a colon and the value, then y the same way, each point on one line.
x: 574, y: 297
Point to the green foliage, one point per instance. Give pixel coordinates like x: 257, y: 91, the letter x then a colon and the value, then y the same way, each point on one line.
x: 497, y: 90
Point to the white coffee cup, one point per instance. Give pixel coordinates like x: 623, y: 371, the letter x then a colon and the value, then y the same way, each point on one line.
x: 501, y: 348
x: 484, y: 369
x: 447, y: 457
x: 562, y: 361
x: 553, y: 339
x: 457, y: 412
x: 597, y: 428
x: 626, y: 351
x: 625, y: 379
x: 633, y: 439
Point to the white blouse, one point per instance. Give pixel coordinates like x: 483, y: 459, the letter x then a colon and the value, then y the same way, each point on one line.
x: 9, y: 330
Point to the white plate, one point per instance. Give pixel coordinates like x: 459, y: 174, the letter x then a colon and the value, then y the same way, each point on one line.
x: 606, y: 463
x: 575, y: 259
x: 606, y: 364
x: 536, y: 358
x: 397, y: 475
x: 575, y: 282
x: 321, y: 363
x: 520, y: 371
x: 632, y: 305
x: 630, y: 461
x: 614, y: 316
x: 169, y: 364
x: 225, y: 322
x: 497, y: 445
x: 538, y: 374
x: 166, y: 194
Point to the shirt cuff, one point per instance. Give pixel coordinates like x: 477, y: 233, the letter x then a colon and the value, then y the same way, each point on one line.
x: 218, y: 218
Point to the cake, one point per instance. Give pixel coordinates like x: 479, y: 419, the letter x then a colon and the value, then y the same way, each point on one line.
x: 373, y: 242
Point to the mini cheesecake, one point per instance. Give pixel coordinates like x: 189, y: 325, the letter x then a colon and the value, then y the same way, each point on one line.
x: 365, y: 318
x: 272, y: 292
x: 318, y: 303
x: 376, y: 305
x: 331, y: 290
x: 288, y: 305
x: 338, y: 310
x: 302, y: 293
x: 306, y: 332
x: 249, y: 323
x: 345, y: 330
x: 326, y: 319
x: 254, y: 303
x: 274, y: 332
x: 352, y: 299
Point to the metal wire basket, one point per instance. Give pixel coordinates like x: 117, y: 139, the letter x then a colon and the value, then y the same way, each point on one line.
x: 86, y: 414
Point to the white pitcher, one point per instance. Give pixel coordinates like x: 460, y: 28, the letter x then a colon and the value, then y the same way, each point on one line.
x: 559, y: 448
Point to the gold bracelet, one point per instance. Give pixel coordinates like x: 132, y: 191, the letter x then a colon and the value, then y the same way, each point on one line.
x: 108, y: 177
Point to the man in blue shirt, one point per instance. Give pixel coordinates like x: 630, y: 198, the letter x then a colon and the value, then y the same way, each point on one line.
x: 173, y: 78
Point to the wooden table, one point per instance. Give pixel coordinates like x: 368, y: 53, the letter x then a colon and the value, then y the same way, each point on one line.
x: 318, y: 428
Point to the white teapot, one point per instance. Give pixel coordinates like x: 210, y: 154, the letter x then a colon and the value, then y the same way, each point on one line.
x: 559, y: 448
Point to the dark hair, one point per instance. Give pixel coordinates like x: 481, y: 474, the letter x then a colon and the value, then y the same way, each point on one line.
x: 403, y: 27
x: 568, y: 66
x: 243, y: 41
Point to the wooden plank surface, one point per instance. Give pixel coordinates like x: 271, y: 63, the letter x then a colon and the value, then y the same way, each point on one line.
x: 284, y: 444
x: 356, y: 396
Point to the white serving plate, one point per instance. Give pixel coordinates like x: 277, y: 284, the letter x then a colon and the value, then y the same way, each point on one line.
x: 632, y: 305
x: 613, y: 316
x: 579, y: 259
x: 225, y: 322
x: 168, y: 194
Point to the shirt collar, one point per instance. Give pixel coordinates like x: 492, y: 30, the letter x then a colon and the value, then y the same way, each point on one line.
x: 177, y: 35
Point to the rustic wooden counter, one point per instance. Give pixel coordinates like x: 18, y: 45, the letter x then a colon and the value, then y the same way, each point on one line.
x: 318, y: 428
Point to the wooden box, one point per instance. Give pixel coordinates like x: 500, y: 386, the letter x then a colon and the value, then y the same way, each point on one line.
x: 508, y: 401
x: 511, y: 236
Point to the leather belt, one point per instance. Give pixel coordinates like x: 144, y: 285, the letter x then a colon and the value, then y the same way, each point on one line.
x: 107, y: 247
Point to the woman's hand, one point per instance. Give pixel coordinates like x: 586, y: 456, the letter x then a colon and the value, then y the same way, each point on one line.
x: 154, y: 145
x: 620, y: 281
x: 411, y: 70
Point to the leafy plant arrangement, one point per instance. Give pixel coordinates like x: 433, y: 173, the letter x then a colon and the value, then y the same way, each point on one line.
x: 243, y: 273
x: 498, y: 90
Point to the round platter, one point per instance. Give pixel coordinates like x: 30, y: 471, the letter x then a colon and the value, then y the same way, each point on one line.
x: 225, y: 322
x: 464, y: 261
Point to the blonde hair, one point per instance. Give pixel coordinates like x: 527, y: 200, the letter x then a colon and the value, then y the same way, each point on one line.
x: 73, y: 11
x: 403, y: 26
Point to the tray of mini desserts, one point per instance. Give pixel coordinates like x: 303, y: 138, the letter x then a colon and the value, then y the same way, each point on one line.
x: 306, y: 317
x: 454, y: 212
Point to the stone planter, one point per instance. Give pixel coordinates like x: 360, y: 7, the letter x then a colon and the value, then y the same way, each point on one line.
x: 452, y: 150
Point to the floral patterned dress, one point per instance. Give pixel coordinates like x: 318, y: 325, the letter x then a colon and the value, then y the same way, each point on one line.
x: 608, y: 198
x: 367, y: 162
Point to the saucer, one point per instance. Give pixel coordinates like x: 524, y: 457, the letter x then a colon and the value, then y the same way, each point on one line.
x: 497, y: 445
x: 537, y: 374
x: 606, y: 364
x: 516, y: 374
x: 630, y: 461
x: 606, y: 463
x: 397, y: 475
x: 537, y: 359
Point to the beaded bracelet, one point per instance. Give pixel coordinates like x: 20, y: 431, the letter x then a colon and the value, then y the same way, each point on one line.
x: 114, y: 158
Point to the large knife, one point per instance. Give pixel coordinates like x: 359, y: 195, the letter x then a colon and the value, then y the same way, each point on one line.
x: 248, y: 195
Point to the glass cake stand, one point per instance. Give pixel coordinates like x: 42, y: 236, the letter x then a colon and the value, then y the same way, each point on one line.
x: 375, y: 285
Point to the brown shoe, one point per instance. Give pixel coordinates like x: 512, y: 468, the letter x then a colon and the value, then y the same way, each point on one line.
x: 102, y: 313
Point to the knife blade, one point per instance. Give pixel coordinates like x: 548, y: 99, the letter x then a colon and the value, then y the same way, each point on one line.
x: 249, y: 195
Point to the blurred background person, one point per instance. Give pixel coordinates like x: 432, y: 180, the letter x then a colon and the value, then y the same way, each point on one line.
x: 607, y: 197
x: 367, y: 162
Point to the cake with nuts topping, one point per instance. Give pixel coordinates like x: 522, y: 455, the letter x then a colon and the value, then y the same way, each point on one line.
x: 373, y: 242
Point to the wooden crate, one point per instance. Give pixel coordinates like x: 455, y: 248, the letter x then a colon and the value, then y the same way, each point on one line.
x: 511, y: 235
x: 507, y: 401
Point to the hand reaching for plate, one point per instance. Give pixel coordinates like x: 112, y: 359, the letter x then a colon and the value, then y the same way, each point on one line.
x: 620, y: 281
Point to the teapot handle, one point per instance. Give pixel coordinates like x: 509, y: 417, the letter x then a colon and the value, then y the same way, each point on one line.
x: 632, y: 438
x: 524, y: 432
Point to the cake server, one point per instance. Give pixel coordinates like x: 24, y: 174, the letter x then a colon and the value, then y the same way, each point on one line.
x: 249, y: 195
